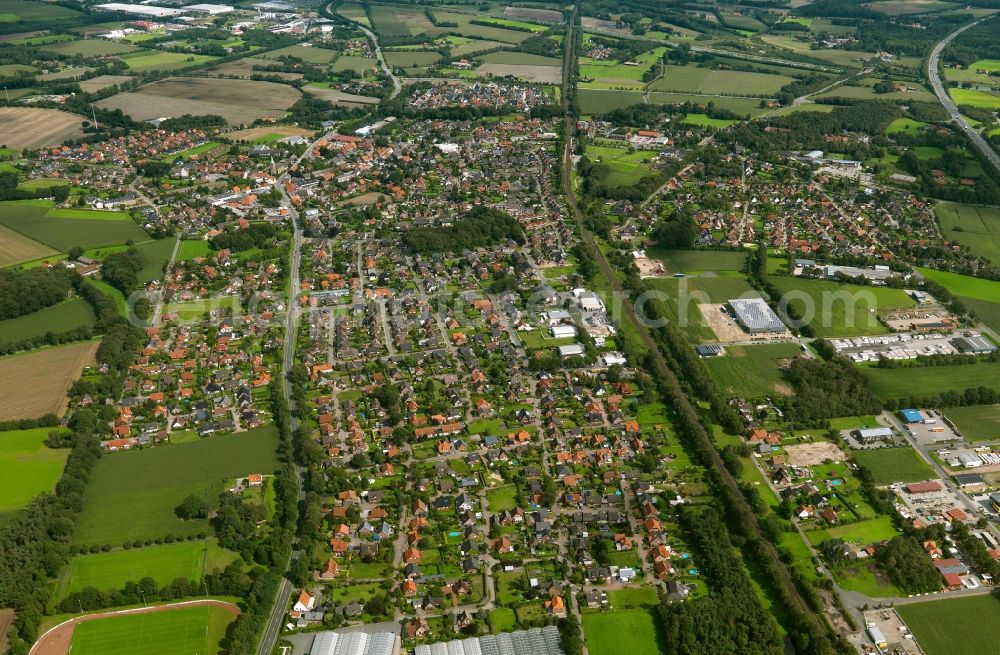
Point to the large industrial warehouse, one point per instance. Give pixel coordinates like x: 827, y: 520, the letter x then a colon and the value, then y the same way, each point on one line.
x: 537, y: 641
x: 754, y: 316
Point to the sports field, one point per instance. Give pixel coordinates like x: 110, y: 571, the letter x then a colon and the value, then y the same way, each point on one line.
x: 29, y: 466
x: 976, y: 423
x: 752, y: 371
x: 62, y: 229
x: 976, y: 227
x: 895, y: 383
x: 836, y: 310
x: 111, y: 570
x: 692, y: 78
x: 890, y: 465
x: 180, y: 631
x: 955, y: 626
x: 158, y: 479
x: 35, y: 383
x: 63, y: 316
x: 605, y: 633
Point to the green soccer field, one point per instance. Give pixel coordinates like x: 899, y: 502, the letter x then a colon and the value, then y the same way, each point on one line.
x: 957, y: 626
x: 113, y: 569
x: 184, y: 631
x: 605, y: 633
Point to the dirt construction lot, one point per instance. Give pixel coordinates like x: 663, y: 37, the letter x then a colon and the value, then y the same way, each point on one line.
x: 26, y: 127
x: 36, y: 383
x: 814, y: 454
x: 238, y: 101
x: 57, y: 640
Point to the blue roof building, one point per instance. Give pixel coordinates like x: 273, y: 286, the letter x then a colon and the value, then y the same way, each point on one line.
x: 911, y: 415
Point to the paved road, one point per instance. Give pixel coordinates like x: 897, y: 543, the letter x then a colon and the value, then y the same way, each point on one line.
x: 396, y: 84
x: 270, y: 636
x: 933, y: 72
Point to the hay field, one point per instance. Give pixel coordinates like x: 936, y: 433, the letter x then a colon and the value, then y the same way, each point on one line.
x: 534, y: 13
x: 36, y: 383
x: 244, y: 68
x: 101, y: 82
x: 15, y: 248
x: 339, y: 97
x: 27, y: 127
x: 705, y: 80
x: 239, y: 101
x: 308, y: 54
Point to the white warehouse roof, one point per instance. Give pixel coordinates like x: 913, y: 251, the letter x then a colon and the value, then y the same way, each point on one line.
x: 537, y: 641
x: 353, y: 643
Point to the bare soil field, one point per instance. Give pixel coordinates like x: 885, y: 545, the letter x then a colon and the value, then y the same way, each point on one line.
x: 549, y: 15
x: 244, y: 68
x: 27, y: 127
x: 15, y: 248
x: 35, y: 383
x: 57, y: 640
x: 101, y: 82
x: 239, y: 101
x: 341, y: 98
x: 6, y: 621
x: 814, y: 454
x: 603, y: 25
x: 528, y: 73
x: 252, y: 133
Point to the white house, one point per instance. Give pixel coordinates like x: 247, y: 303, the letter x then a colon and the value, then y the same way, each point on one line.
x: 305, y: 603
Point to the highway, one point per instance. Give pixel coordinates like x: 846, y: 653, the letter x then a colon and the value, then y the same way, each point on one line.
x: 933, y: 73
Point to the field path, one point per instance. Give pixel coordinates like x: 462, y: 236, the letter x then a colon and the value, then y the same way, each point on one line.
x: 58, y: 639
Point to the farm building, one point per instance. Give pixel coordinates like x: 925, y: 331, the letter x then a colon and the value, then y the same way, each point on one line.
x: 537, y: 641
x: 969, y: 480
x: 354, y: 643
x: 911, y: 415
x: 755, y: 316
x: 871, y: 435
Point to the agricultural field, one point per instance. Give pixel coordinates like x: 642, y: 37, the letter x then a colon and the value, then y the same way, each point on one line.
x: 604, y: 633
x: 354, y: 63
x: 976, y: 227
x: 245, y: 68
x: 694, y: 79
x: 905, y: 7
x: 28, y: 127
x: 905, y: 125
x: 837, y: 310
x: 61, y: 317
x: 15, y: 248
x: 976, y: 423
x: 834, y: 56
x: 411, y: 58
x: 308, y: 54
x: 340, y: 98
x: 158, y: 479
x: 399, y: 21
x: 599, y: 101
x: 955, y: 626
x: 613, y: 73
x: 965, y: 286
x: 890, y: 465
x: 24, y: 10
x: 894, y: 383
x: 180, y: 630
x: 741, y: 106
x: 239, y: 101
x: 485, y: 32
x: 101, y: 82
x: 703, y: 120
x: 35, y: 383
x: 164, y: 61
x: 63, y: 229
x: 111, y: 570
x: 752, y: 370
x: 30, y: 467
x: 155, y: 254
x: 90, y: 48
x: 983, y: 71
x: 864, y: 90
x: 696, y: 262
x: 975, y: 98
x: 862, y: 532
